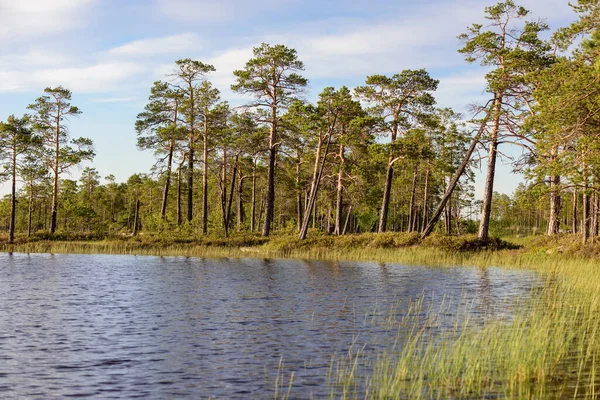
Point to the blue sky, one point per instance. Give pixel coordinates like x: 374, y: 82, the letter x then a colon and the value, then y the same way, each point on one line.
x: 108, y: 52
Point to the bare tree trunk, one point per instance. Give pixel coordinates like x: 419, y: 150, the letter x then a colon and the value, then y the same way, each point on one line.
x: 253, y: 209
x: 205, y: 180
x: 270, y: 201
x: 299, y: 208
x: 190, y: 188
x: 585, y: 227
x: 262, y: 207
x: 223, y: 185
x: 136, y: 219
x: 314, y: 187
x: 30, y: 209
x: 385, y: 204
x: 484, y: 224
x: 339, y: 194
x: 425, y: 199
x: 231, y: 191
x: 575, y: 222
x: 240, y: 204
x: 345, y: 230
x: 53, y: 220
x: 179, y: 196
x: 459, y: 172
x: 555, y: 206
x: 163, y: 209
x: 13, y: 198
x: 594, y: 217
x: 411, y: 207
x: 389, y: 177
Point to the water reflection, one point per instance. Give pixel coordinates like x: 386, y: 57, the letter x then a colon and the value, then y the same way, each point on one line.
x: 159, y: 327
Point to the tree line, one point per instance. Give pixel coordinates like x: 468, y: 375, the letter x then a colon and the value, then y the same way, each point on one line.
x: 375, y: 158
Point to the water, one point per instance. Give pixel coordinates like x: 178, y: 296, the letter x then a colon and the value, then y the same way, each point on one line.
x: 163, y: 327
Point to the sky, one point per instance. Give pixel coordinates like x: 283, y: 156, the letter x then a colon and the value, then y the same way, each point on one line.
x: 109, y: 52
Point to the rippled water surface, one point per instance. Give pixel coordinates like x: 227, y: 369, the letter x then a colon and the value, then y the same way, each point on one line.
x: 164, y: 327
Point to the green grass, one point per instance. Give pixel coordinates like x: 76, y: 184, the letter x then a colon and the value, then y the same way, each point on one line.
x: 550, y: 348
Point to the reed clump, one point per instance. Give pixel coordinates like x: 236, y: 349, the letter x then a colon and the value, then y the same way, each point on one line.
x: 549, y: 348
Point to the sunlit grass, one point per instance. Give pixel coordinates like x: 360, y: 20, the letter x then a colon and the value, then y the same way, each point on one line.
x: 548, y: 349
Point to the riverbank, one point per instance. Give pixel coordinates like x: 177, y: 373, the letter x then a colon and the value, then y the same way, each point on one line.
x: 391, y: 247
x: 436, y: 250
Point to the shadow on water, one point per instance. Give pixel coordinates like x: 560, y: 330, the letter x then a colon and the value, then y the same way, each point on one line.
x: 159, y: 327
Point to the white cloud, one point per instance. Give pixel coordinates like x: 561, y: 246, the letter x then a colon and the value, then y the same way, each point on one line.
x: 461, y: 90
x: 32, y: 18
x: 421, y: 39
x: 214, y: 10
x: 225, y: 63
x: 36, y: 57
x: 181, y: 43
x: 115, y: 100
x: 93, y: 78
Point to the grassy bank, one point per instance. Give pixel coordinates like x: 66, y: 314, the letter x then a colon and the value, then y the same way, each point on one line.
x: 390, y: 247
x: 549, y: 349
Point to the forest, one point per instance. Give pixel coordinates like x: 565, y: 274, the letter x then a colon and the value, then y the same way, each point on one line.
x: 378, y: 157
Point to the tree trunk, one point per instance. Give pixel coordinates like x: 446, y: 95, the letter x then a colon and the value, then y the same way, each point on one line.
x: 345, y: 230
x: 459, y: 172
x: 13, y: 198
x: 53, y: 220
x: 223, y: 185
x: 253, y: 210
x: 484, y: 224
x: 270, y: 201
x: 448, y: 218
x: 585, y: 223
x: 386, y: 197
x: 555, y: 206
x: 411, y: 207
x: 425, y: 198
x: 205, y: 180
x: 575, y: 222
x: 190, y: 188
x: 262, y: 207
x: 299, y: 205
x: 163, y: 208
x: 179, y: 196
x: 339, y: 194
x: 240, y: 204
x: 314, y: 187
x: 136, y: 219
x: 594, y: 217
x: 231, y: 191
x: 30, y: 209
x: 389, y: 177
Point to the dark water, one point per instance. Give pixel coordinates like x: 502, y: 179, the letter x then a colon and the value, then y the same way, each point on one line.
x: 153, y: 327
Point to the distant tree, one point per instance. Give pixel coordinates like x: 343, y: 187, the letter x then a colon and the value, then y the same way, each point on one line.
x: 52, y: 112
x: 398, y: 101
x: 213, y: 115
x: 34, y: 172
x: 16, y: 138
x: 188, y: 76
x: 271, y: 78
x: 158, y: 129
